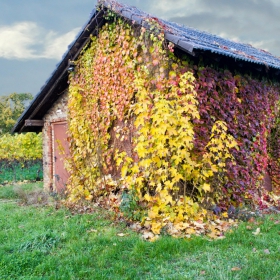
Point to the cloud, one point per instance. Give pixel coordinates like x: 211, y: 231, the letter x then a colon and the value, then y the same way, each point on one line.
x: 55, y: 45
x: 26, y: 40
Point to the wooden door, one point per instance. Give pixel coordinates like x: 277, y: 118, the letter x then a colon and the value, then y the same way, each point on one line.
x: 60, y: 152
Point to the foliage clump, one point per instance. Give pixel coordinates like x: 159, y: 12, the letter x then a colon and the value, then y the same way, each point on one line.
x: 175, y: 139
x: 20, y: 157
x: 100, y: 94
x: 21, y: 147
x: 11, y: 107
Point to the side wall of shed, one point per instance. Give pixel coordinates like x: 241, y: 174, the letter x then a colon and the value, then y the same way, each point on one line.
x: 57, y: 113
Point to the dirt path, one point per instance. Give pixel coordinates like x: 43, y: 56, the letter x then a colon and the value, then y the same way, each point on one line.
x: 8, y: 201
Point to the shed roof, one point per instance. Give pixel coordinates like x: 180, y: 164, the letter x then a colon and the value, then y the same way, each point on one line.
x: 188, y: 39
x: 191, y: 40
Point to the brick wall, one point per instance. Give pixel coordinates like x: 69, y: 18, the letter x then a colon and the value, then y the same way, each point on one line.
x: 57, y: 113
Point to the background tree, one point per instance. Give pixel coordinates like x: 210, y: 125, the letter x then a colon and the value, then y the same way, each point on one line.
x: 11, y: 107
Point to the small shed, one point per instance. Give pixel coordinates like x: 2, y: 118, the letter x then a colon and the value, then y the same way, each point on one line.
x: 48, y: 110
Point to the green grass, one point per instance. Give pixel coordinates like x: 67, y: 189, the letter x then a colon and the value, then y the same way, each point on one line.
x: 44, y: 243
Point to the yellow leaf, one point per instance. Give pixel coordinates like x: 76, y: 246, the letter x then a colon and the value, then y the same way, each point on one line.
x: 156, y: 227
x: 165, y: 197
x: 156, y: 237
x: 153, y: 212
x: 168, y: 185
x: 147, y: 197
x: 190, y: 231
x: 119, y: 161
x: 124, y: 171
x: 135, y: 169
x: 157, y: 160
x: 214, y: 168
x: 206, y: 187
x: 225, y: 214
x: 141, y: 151
x: 139, y: 180
x: 181, y: 226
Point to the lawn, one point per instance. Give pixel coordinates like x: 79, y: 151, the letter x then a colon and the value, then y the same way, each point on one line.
x: 39, y: 241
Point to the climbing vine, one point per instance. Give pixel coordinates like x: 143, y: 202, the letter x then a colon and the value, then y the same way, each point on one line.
x: 170, y: 138
x: 168, y: 178
x: 249, y: 107
x: 100, y: 92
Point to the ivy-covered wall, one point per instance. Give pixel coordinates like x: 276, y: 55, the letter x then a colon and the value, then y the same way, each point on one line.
x: 171, y: 136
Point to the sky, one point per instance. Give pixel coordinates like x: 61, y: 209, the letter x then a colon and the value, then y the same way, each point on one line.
x: 35, y: 34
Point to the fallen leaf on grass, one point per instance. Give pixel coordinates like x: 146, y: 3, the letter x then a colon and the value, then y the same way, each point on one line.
x: 258, y: 230
x: 156, y: 237
x: 181, y: 226
x: 199, y: 225
x: 251, y: 220
x: 221, y: 237
x: 190, y: 231
x: 156, y: 228
x: 212, y: 235
x: 236, y: 268
x: 147, y: 235
x: 91, y: 230
x: 135, y: 226
x: 266, y: 251
x: 122, y: 234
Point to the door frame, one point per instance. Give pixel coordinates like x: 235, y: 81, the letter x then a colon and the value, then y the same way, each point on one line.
x: 53, y: 169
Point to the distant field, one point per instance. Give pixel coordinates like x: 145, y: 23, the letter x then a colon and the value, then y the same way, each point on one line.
x: 16, y: 171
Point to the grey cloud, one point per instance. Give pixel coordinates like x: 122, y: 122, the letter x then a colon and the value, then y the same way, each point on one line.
x: 27, y: 40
